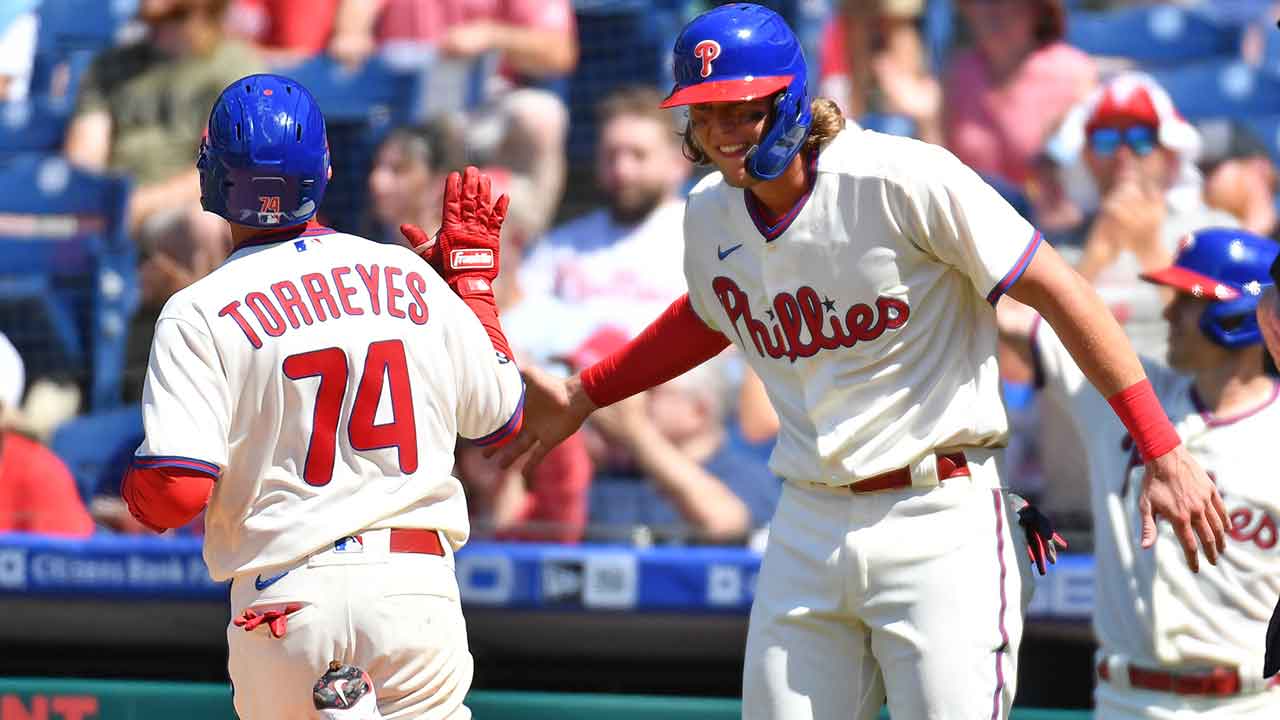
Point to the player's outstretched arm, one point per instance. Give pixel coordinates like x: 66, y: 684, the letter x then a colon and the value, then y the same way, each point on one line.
x: 1175, y: 488
x: 554, y: 409
x: 648, y: 360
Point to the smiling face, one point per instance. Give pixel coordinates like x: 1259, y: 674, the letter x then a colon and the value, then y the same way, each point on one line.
x: 725, y: 131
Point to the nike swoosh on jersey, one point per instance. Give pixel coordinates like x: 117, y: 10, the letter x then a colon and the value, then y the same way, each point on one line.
x: 725, y: 253
x: 261, y: 584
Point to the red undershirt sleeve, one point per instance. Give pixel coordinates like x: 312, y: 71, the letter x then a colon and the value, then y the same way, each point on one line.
x: 165, y: 497
x: 676, y: 342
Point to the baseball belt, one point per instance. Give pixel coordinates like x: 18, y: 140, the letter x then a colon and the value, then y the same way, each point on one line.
x: 1210, y: 682
x: 945, y: 466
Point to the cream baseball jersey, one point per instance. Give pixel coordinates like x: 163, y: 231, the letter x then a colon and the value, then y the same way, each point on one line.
x: 1149, y: 606
x: 867, y: 309
x: 323, y: 379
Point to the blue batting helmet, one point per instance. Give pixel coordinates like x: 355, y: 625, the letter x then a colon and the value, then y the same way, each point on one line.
x: 743, y: 52
x: 265, y: 159
x: 1231, y: 268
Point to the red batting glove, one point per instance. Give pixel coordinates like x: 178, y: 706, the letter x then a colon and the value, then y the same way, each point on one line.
x: 465, y: 251
x: 277, y: 621
x: 426, y: 246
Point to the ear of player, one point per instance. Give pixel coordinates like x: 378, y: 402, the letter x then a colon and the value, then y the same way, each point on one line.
x: 466, y: 250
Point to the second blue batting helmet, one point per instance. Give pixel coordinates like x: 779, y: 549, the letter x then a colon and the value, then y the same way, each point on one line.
x: 265, y: 159
x: 1229, y: 267
x: 742, y: 52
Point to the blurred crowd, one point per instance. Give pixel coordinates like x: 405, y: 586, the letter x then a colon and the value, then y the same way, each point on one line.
x: 1091, y: 149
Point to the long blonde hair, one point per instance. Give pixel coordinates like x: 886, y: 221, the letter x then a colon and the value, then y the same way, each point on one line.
x: 827, y: 122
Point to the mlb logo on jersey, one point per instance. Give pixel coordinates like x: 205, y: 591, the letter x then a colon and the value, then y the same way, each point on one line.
x: 350, y: 544
x: 706, y: 51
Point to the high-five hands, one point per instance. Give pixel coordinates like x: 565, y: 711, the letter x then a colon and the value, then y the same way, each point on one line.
x: 554, y: 409
x: 466, y: 250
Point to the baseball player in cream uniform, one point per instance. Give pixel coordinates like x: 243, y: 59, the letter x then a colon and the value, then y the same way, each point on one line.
x: 856, y: 272
x: 311, y: 389
x: 1175, y: 644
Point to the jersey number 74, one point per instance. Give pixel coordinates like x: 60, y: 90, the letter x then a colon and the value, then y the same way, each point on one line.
x: 384, y: 362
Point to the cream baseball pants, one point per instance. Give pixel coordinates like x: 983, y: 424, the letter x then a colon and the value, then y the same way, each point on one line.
x: 916, y: 596
x: 394, y: 614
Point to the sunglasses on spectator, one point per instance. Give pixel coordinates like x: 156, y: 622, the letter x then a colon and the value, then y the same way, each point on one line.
x: 1141, y: 139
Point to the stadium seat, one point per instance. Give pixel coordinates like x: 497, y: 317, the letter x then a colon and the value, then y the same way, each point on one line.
x: 96, y: 447
x: 67, y: 287
x: 71, y: 33
x: 360, y: 107
x: 1217, y: 89
x: 1153, y: 35
x: 33, y: 125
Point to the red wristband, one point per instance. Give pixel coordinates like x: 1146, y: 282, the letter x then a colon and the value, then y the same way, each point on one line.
x: 1145, y: 419
x: 478, y: 295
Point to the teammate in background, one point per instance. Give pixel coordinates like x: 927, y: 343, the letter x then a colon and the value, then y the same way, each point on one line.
x: 856, y: 271
x: 1172, y: 642
x: 322, y: 379
x: 1268, y: 315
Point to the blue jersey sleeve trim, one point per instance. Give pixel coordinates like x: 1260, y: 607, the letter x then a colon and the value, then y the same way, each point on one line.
x: 508, y: 429
x: 1024, y: 261
x: 151, y: 462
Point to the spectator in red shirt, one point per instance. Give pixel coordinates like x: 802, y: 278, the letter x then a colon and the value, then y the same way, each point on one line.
x: 520, y: 128
x: 1005, y: 95
x: 285, y: 31
x: 549, y: 505
x: 37, y: 492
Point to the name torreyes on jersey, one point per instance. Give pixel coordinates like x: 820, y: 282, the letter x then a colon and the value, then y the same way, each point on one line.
x: 317, y: 297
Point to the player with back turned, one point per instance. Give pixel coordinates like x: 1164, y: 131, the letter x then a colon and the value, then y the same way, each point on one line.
x: 856, y: 272
x: 310, y: 391
x: 1173, y: 643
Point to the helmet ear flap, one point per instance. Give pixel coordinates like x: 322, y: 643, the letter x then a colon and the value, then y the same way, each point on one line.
x: 788, y: 128
x: 1232, y: 323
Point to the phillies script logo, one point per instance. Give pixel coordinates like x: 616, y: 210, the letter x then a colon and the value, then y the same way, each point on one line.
x: 804, y: 312
x: 706, y: 51
x: 1255, y: 526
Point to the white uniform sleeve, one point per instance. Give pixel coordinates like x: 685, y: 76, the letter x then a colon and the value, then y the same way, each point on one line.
x: 950, y: 213
x: 490, y: 390
x: 186, y: 404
